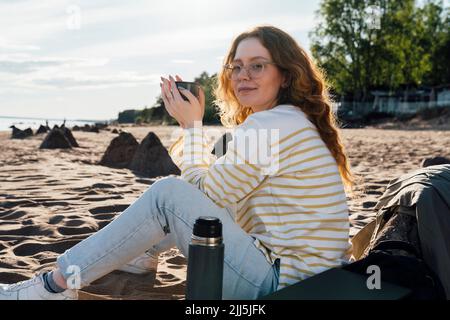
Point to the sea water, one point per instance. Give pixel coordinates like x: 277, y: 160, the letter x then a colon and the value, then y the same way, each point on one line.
x: 34, y: 123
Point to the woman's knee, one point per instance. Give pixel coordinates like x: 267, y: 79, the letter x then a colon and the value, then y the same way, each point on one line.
x: 163, y: 188
x: 161, y: 195
x: 166, y: 185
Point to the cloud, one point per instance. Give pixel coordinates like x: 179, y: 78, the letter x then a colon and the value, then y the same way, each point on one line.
x: 45, y: 80
x: 121, y: 30
x: 23, y: 63
x: 26, y: 21
x: 27, y: 72
x: 11, y: 46
x: 182, y: 61
x: 82, y: 81
x: 189, y: 40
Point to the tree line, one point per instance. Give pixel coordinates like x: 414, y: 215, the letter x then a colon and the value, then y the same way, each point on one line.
x: 383, y: 44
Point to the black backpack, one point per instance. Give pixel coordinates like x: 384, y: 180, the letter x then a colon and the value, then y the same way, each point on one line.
x: 406, y: 271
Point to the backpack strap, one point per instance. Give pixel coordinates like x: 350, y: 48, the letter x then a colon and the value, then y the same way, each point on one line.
x: 397, y: 244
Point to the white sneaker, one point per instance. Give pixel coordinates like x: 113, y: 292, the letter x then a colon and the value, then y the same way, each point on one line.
x: 33, y: 289
x: 146, y: 263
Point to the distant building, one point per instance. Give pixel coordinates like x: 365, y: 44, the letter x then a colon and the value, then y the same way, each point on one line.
x: 399, y: 102
x: 442, y: 95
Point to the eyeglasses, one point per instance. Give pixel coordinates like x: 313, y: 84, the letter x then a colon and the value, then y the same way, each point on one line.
x: 254, y: 70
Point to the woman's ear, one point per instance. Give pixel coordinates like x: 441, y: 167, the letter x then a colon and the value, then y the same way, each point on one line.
x: 286, y: 80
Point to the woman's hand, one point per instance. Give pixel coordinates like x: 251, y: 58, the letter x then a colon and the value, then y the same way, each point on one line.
x: 187, y: 113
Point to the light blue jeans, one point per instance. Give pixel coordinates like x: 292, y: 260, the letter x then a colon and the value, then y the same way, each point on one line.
x: 163, y: 217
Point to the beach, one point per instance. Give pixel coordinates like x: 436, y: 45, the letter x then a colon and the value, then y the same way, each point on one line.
x: 52, y: 199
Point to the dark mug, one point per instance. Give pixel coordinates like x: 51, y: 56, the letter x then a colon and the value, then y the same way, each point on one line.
x: 193, y: 87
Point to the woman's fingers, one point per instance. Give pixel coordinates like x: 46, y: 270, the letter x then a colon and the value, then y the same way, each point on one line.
x: 166, y: 89
x: 167, y: 104
x: 175, y: 92
x: 176, y: 105
x: 171, y: 111
x: 188, y: 95
x: 168, y: 99
x: 170, y: 103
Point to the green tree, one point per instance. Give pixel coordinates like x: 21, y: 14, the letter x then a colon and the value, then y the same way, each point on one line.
x: 144, y: 115
x: 208, y: 84
x: 436, y: 41
x: 363, y: 44
x: 128, y: 116
x: 402, y: 59
x: 342, y: 45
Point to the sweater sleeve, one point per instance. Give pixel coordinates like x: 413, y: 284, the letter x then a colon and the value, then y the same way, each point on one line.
x: 230, y: 178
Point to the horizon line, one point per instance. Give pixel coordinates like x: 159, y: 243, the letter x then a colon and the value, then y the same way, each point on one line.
x: 56, y: 119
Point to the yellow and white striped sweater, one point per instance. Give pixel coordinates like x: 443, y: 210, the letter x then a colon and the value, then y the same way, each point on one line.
x: 292, y: 201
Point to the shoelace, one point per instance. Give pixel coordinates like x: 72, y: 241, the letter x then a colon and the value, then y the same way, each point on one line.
x: 17, y: 285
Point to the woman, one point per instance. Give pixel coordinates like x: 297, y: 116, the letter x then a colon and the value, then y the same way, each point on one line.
x: 284, y: 218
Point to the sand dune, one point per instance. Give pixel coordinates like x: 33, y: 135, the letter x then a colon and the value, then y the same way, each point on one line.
x: 52, y: 199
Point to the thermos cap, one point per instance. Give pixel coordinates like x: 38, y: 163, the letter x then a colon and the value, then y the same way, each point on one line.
x: 208, y: 227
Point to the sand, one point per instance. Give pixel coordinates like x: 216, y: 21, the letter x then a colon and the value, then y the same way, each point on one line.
x: 52, y: 199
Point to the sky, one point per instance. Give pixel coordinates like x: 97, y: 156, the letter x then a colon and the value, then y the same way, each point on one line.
x: 92, y: 59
